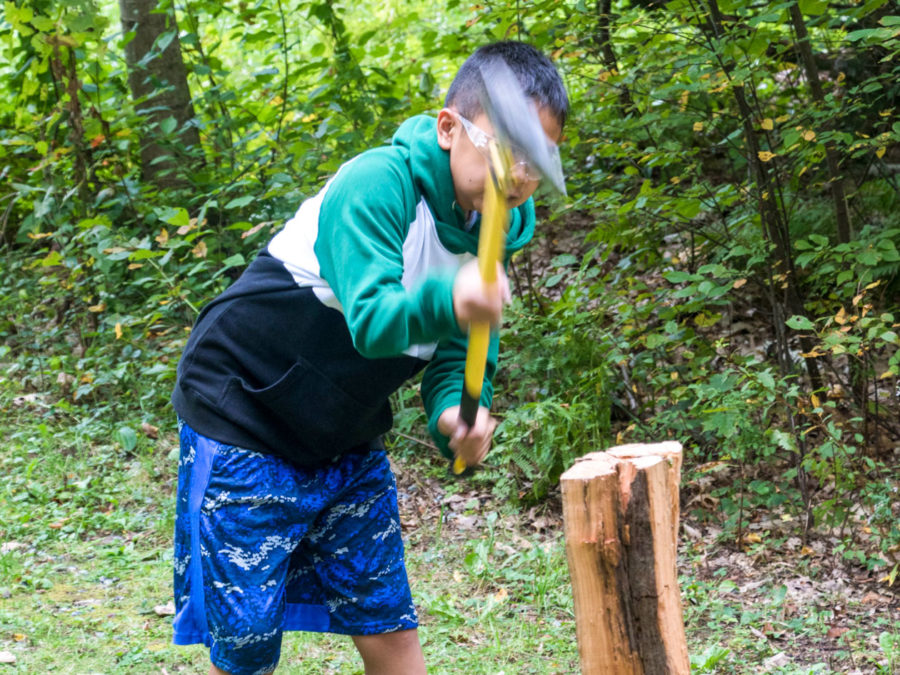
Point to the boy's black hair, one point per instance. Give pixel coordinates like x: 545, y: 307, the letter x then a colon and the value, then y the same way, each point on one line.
x: 535, y: 72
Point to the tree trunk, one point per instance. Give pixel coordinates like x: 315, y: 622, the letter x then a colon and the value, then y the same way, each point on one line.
x: 603, y: 40
x: 64, y: 71
x: 621, y: 519
x: 158, y: 82
x: 841, y: 212
x: 775, y: 227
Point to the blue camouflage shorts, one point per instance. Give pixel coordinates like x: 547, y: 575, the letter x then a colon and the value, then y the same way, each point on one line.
x: 263, y: 546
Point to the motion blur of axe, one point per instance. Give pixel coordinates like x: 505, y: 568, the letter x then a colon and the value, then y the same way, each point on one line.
x: 519, y: 137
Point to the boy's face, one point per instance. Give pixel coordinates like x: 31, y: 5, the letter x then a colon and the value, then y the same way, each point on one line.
x: 469, y: 166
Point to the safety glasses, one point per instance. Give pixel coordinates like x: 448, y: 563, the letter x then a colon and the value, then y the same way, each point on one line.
x: 482, y: 139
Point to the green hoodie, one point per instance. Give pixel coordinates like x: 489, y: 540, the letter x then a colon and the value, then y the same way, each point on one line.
x: 381, y: 244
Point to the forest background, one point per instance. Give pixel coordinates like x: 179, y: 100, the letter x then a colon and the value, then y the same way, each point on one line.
x: 724, y: 272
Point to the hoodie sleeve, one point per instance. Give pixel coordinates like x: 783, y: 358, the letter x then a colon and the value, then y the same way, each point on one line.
x: 362, y: 227
x: 442, y: 382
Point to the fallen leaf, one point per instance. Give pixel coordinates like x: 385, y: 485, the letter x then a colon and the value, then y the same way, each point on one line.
x: 466, y: 522
x: 167, y: 609
x: 873, y: 598
x: 522, y: 543
x: 758, y: 633
x: 7, y: 657
x: 19, y: 637
x: 780, y: 660
x: 540, y: 523
x: 19, y: 401
x: 692, y: 532
x: 835, y: 632
x: 149, y: 430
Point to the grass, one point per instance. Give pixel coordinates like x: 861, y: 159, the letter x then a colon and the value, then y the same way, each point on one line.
x: 85, y: 570
x: 85, y: 530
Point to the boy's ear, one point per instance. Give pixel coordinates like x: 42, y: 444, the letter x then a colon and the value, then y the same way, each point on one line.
x: 446, y: 124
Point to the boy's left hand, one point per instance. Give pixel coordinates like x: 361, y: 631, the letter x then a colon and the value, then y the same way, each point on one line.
x: 470, y: 443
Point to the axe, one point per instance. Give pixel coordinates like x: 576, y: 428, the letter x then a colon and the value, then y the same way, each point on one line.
x: 518, y: 131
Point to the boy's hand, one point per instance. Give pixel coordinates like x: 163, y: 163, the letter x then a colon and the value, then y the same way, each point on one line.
x: 471, y: 444
x: 473, y: 300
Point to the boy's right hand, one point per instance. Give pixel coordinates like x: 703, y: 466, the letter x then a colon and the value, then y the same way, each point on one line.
x: 474, y: 300
x: 470, y: 443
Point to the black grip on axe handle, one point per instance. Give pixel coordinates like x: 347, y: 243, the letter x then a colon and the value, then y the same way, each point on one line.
x: 468, y: 408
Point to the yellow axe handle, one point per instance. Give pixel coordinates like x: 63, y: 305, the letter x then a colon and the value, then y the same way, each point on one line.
x: 490, y: 252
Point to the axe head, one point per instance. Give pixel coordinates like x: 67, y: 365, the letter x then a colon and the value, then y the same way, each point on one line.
x: 515, y: 119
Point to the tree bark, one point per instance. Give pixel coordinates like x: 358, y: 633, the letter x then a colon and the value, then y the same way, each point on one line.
x: 65, y: 73
x: 603, y: 39
x: 841, y: 212
x: 775, y: 227
x: 158, y: 82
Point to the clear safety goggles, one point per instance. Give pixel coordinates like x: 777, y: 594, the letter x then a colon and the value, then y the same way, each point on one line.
x: 482, y: 139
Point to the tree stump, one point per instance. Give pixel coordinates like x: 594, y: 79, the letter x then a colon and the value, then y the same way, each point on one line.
x: 621, y: 519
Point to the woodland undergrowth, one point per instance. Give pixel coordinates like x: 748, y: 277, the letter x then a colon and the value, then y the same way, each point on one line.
x: 724, y: 272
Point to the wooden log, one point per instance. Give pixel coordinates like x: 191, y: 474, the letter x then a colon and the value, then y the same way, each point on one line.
x: 621, y: 518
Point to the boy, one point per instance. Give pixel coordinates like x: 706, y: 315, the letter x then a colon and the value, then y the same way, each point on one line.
x: 287, y: 511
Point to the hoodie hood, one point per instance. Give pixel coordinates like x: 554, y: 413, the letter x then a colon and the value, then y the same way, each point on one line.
x: 430, y: 168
